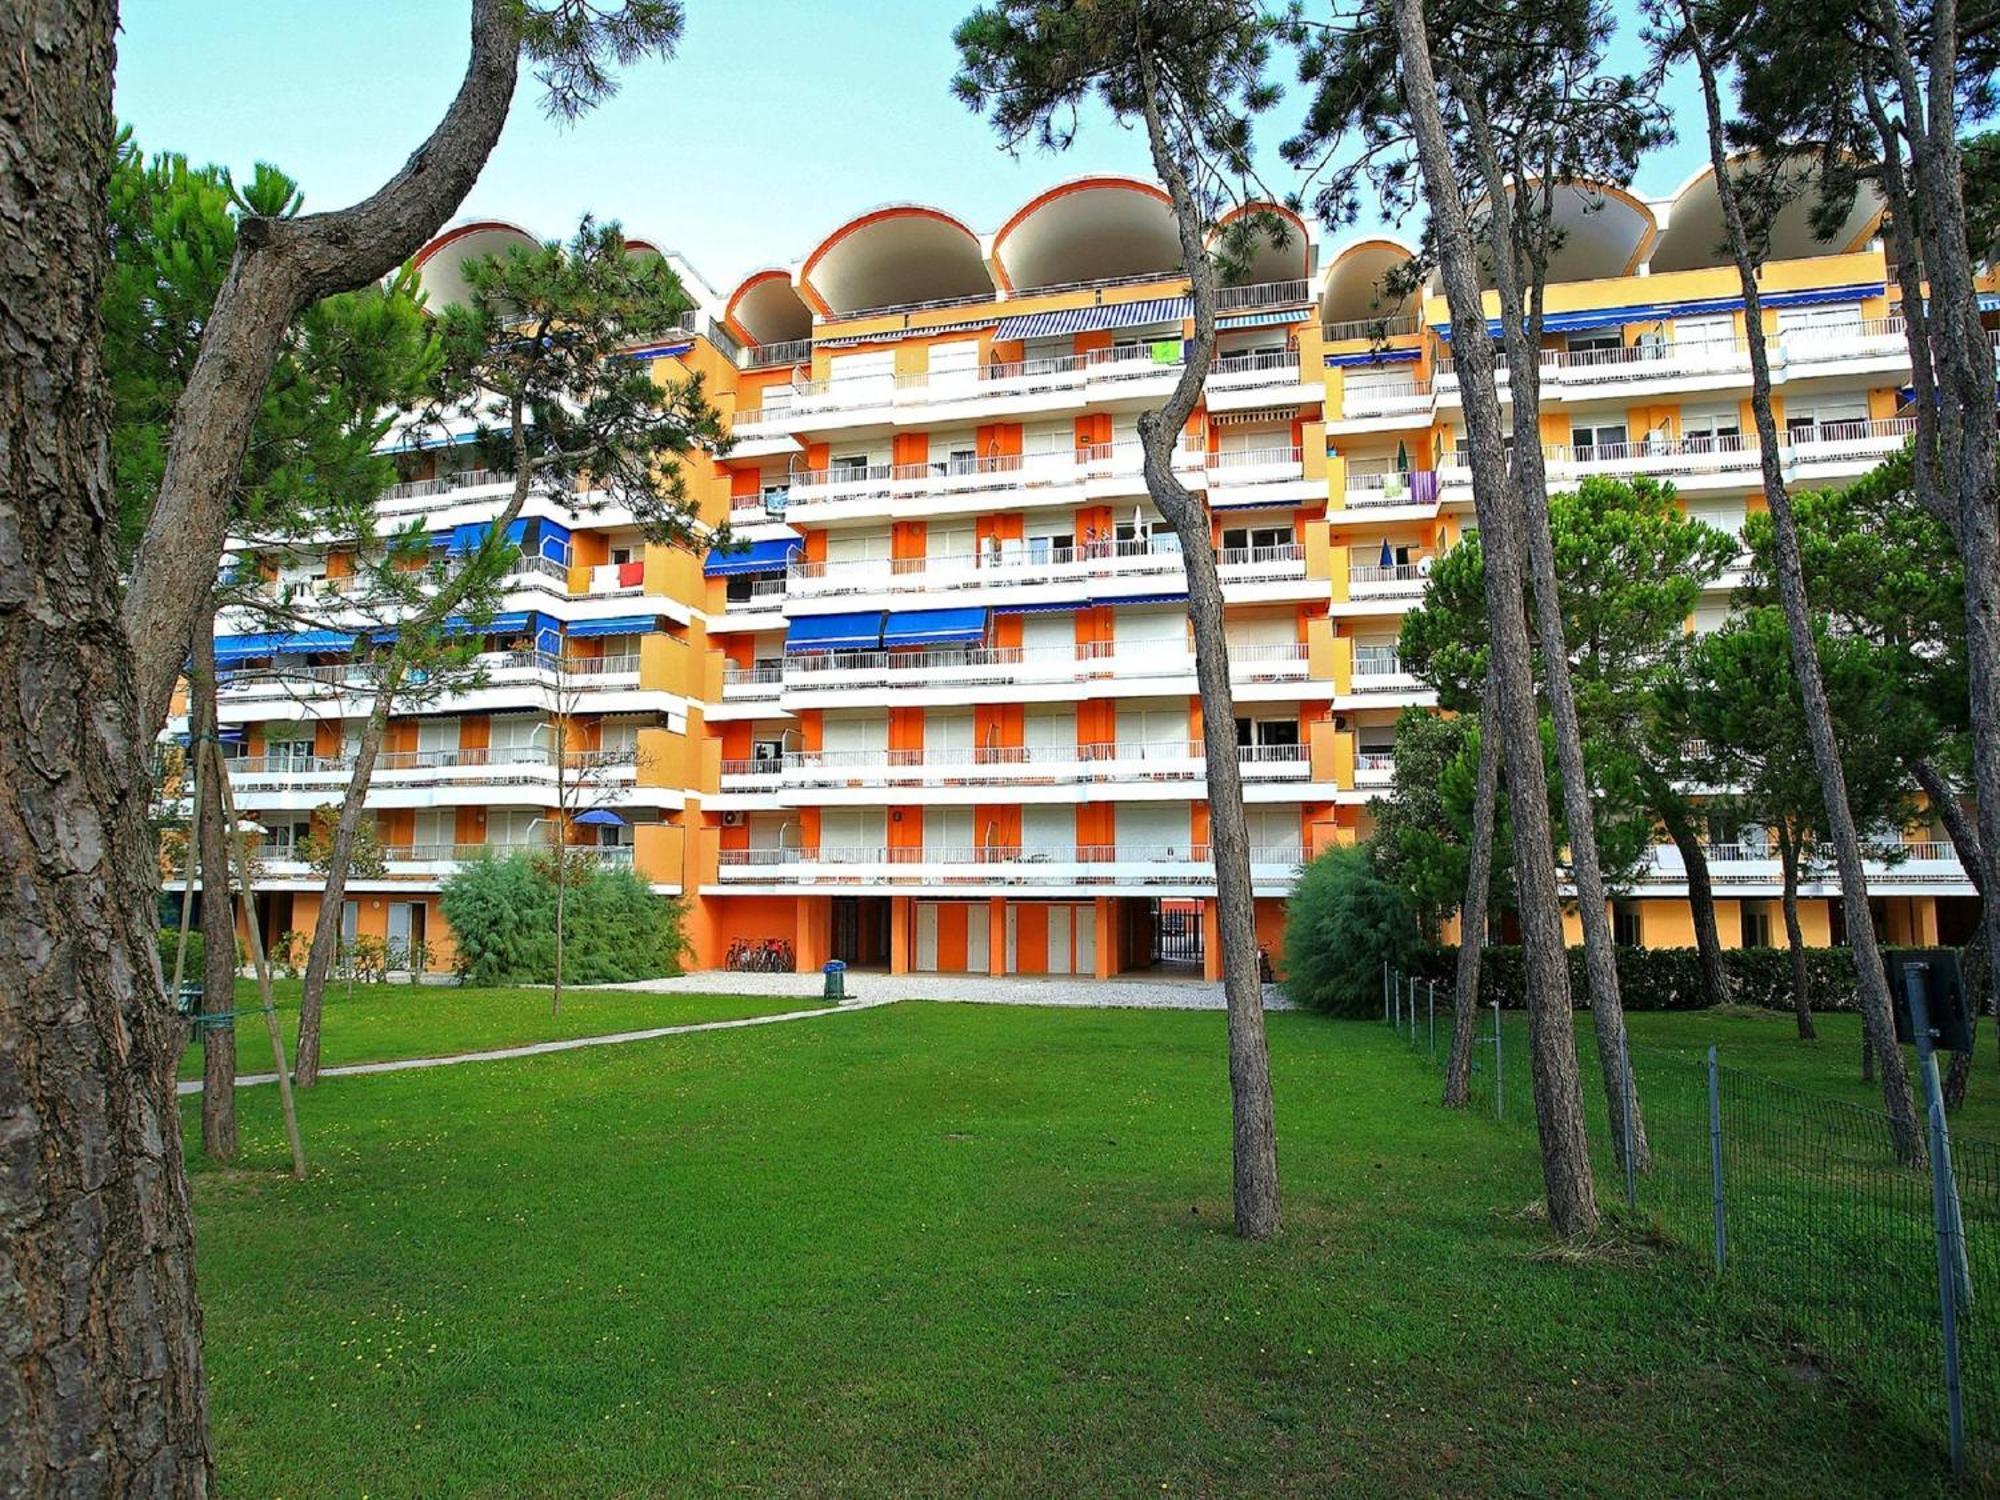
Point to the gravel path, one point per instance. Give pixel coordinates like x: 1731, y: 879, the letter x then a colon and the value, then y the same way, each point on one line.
x: 1133, y: 993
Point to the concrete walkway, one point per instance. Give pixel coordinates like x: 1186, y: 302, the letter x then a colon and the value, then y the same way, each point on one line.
x: 568, y: 1044
x: 1138, y: 992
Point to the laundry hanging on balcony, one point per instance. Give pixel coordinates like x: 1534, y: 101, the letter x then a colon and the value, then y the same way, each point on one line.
x: 934, y: 627
x: 859, y: 632
x: 616, y: 625
x: 230, y: 649
x: 758, y: 557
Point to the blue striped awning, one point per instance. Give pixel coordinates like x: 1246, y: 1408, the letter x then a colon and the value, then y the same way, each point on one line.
x: 758, y: 557
x: 1656, y: 312
x: 1090, y: 319
x: 1068, y: 606
x: 616, y: 625
x: 1180, y: 598
x: 235, y: 648
x: 1371, y: 357
x: 859, y: 632
x: 1265, y: 319
x: 934, y: 627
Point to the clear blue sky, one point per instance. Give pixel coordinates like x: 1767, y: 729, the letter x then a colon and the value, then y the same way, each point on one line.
x: 779, y: 118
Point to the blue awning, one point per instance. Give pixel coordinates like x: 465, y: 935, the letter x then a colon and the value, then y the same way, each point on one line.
x: 1371, y: 357
x: 934, y: 627
x: 234, y: 648
x: 616, y: 625
x: 1263, y: 319
x: 1656, y: 312
x: 758, y: 557
x: 1142, y: 599
x: 1068, y: 606
x: 1090, y: 319
x: 555, y: 542
x: 862, y: 632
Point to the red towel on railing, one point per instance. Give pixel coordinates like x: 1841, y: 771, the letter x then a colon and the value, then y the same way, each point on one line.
x: 631, y: 575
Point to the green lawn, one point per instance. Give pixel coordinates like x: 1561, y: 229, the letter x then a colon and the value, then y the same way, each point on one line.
x: 379, y: 1022
x: 964, y: 1250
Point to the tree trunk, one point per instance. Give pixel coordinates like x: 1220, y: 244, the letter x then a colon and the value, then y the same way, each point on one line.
x: 1472, y: 911
x: 340, y: 856
x: 1795, y: 936
x: 218, y: 929
x: 1520, y: 324
x: 354, y: 803
x: 1572, y: 1196
x: 280, y: 267
x: 1673, y: 815
x: 1254, y: 1130
x: 101, y: 1384
x: 1945, y: 802
x: 1873, y: 984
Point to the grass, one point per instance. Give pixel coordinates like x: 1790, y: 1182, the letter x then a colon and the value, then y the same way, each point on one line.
x: 381, y: 1022
x: 965, y: 1250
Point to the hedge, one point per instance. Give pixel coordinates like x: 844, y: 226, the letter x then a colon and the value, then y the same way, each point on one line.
x: 1663, y: 978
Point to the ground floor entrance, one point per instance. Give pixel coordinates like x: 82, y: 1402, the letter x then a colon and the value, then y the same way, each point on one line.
x: 860, y: 936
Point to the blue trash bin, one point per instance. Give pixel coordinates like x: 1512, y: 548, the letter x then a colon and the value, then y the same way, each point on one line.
x: 836, y: 980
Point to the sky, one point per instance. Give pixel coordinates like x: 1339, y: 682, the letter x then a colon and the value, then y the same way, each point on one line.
x: 777, y: 121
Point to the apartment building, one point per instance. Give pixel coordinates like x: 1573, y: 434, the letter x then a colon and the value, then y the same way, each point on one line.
x: 934, y: 708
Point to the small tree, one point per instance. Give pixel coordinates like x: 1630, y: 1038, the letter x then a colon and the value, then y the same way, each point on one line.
x: 1744, y: 703
x: 538, y: 351
x: 1191, y: 73
x: 1343, y: 925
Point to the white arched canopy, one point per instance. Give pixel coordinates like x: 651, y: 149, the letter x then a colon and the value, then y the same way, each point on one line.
x: 768, y: 308
x: 1356, y: 287
x: 441, y: 263
x: 1280, y: 249
x: 893, y: 256
x: 1100, y: 229
x: 1693, y: 237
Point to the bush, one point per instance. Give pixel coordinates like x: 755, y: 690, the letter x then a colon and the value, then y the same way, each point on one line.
x: 503, y: 919
x: 191, y: 965
x: 1342, y: 924
x: 1658, y: 978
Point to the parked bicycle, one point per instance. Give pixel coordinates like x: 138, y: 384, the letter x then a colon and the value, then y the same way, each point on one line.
x: 770, y: 956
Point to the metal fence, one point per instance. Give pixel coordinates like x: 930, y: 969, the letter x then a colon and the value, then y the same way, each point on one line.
x: 1885, y: 1274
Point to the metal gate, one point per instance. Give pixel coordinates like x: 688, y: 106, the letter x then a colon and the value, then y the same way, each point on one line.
x: 1177, y: 934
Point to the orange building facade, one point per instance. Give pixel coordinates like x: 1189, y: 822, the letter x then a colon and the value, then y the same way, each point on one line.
x: 933, y: 707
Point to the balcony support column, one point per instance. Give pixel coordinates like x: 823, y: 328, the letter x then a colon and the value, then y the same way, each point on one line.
x: 1108, y: 936
x: 1211, y: 939
x: 901, y: 933
x: 996, y: 936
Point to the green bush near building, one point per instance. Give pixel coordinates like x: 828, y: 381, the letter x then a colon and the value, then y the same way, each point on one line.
x: 1655, y: 978
x: 1342, y: 924
x: 502, y: 913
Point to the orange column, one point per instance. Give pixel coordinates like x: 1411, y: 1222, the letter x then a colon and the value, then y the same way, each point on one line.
x: 900, y: 935
x: 815, y: 932
x: 1107, y: 936
x: 1211, y: 940
x: 996, y: 935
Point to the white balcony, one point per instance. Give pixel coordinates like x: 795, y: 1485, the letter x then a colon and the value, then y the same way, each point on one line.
x: 1036, y: 765
x: 1861, y: 341
x: 1892, y: 867
x: 752, y: 683
x: 1379, y: 669
x: 1370, y: 491
x: 1038, y: 671
x: 1231, y: 474
x: 1004, y: 867
x: 1377, y: 400
x: 1375, y: 580
x: 1374, y: 770
x: 1011, y: 564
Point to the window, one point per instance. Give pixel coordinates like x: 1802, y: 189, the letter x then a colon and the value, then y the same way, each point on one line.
x: 1627, y: 931
x: 1595, y: 340
x: 1712, y: 428
x: 621, y: 555
x: 848, y: 466
x: 1830, y: 420
x: 1267, y: 733
x: 1756, y: 925
x: 1260, y: 538
x: 1587, y: 439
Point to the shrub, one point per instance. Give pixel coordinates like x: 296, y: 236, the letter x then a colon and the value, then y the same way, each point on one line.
x: 1660, y: 978
x: 503, y: 919
x: 191, y: 965
x: 1342, y: 924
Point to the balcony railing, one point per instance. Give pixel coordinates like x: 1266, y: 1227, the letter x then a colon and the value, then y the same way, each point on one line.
x: 1370, y: 328
x: 990, y: 864
x: 1263, y: 294
x: 1256, y: 369
x: 1374, y: 768
x: 1417, y: 487
x: 1011, y: 563
x: 1381, y: 398
x: 976, y: 666
x: 764, y: 356
x: 1028, y: 764
x: 1391, y: 579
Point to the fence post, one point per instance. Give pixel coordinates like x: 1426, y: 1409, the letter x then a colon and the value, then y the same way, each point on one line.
x: 1498, y: 1053
x: 1631, y: 1162
x: 1715, y: 1160
x: 1943, y: 1210
x: 1385, y: 991
x: 1434, y: 1020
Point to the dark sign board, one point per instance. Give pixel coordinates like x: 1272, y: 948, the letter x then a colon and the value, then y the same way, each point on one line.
x: 1936, y: 971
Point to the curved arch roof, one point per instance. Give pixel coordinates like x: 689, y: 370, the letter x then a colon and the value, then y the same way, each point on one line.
x: 766, y: 308
x: 1269, y: 260
x: 1092, y: 229
x: 440, y: 263
x: 1693, y: 234
x: 889, y: 256
x: 1354, y: 289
